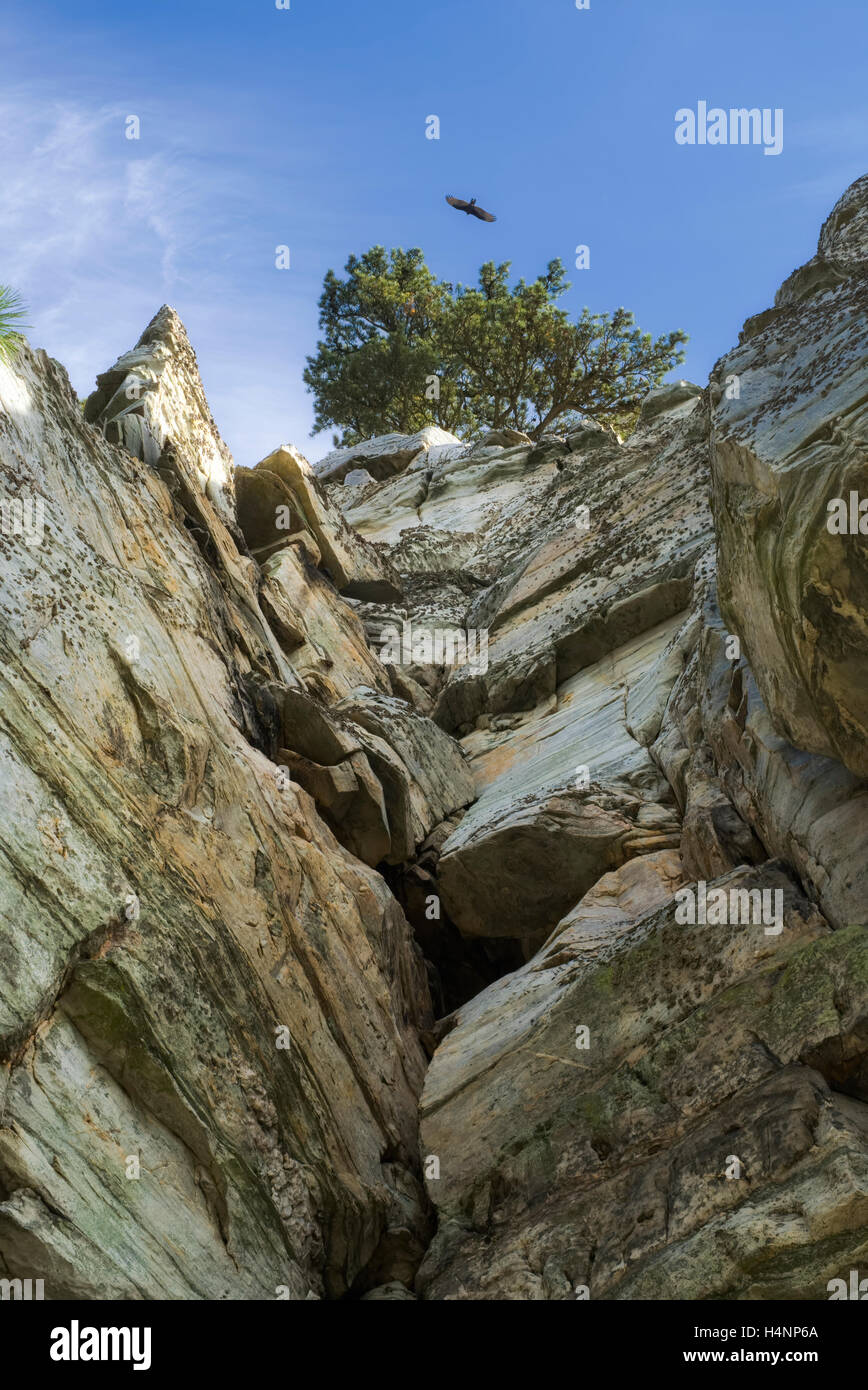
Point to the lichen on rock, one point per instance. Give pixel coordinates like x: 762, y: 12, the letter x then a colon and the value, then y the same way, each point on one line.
x: 440, y: 872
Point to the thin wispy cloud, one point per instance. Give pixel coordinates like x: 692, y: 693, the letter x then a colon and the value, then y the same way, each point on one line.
x: 97, y: 231
x: 91, y: 229
x: 306, y: 127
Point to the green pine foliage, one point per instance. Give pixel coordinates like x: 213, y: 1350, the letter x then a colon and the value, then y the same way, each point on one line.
x: 401, y: 350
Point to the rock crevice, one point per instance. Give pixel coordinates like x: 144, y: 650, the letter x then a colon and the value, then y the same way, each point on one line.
x: 522, y: 955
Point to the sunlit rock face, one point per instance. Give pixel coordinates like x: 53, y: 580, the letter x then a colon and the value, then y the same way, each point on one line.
x: 790, y: 472
x: 355, y: 567
x: 210, y: 1009
x: 152, y: 397
x: 439, y: 872
x: 633, y: 736
x: 386, y: 455
x: 561, y: 551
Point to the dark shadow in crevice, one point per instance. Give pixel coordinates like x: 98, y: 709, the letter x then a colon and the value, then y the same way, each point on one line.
x: 458, y: 967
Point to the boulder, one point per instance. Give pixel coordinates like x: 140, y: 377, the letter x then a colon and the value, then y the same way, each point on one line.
x: 384, y: 456
x: 354, y: 567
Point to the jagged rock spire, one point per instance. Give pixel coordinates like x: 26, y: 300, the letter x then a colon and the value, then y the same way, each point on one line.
x: 153, y: 397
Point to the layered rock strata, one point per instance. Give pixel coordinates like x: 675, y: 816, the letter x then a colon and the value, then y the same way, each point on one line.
x: 440, y: 872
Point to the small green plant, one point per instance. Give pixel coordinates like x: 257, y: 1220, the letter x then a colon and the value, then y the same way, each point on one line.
x: 12, y: 313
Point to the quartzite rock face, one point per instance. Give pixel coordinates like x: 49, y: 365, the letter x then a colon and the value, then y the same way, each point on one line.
x: 789, y: 442
x: 741, y: 786
x: 385, y: 456
x: 628, y: 741
x: 152, y: 397
x: 199, y: 984
x: 585, y: 1109
x: 541, y: 833
x: 354, y: 567
x: 245, y: 716
x: 560, y: 556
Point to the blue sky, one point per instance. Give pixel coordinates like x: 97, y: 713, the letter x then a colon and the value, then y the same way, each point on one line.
x: 262, y: 127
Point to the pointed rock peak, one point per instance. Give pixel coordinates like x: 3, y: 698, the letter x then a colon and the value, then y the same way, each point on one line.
x: 166, y: 327
x: 153, y: 397
x: 842, y: 252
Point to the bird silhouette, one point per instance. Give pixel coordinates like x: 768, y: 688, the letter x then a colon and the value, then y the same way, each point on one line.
x: 470, y: 208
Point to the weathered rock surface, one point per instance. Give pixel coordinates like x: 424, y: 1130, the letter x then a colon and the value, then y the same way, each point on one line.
x: 733, y: 774
x: 535, y: 808
x: 605, y: 1165
x: 560, y: 557
x: 423, y: 772
x: 250, y: 719
x: 354, y: 567
x: 789, y: 437
x: 384, y: 456
x: 323, y: 637
x: 383, y: 775
x: 623, y: 749
x: 197, y: 978
x: 153, y: 398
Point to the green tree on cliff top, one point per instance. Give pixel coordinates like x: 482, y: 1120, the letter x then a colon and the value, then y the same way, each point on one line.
x: 401, y: 350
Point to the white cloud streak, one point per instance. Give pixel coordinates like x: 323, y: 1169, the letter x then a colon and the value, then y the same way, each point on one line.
x: 97, y: 231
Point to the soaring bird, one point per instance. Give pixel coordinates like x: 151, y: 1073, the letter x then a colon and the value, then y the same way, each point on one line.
x: 471, y: 209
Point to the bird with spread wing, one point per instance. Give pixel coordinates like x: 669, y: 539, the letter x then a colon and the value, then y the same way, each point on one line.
x: 470, y: 208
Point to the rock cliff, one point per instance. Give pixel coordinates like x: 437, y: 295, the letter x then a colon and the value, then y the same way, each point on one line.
x: 440, y: 872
